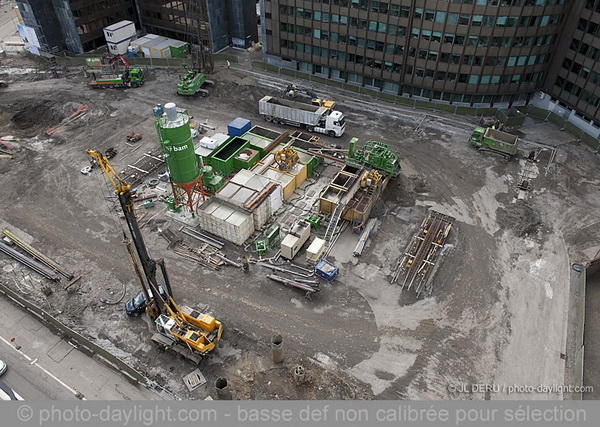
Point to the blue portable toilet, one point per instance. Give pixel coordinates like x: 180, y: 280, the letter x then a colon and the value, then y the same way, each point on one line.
x: 326, y: 270
x: 238, y: 127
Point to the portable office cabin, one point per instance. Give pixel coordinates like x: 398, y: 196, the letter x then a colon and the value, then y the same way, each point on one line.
x: 154, y: 46
x: 118, y: 36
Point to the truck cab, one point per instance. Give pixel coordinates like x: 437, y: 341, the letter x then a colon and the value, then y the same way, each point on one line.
x: 335, y: 124
x: 136, y: 75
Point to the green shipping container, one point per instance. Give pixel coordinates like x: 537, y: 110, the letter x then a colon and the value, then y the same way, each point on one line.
x: 223, y: 158
x: 178, y: 148
x: 180, y: 51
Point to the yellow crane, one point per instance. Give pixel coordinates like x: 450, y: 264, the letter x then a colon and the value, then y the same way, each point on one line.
x: 191, y: 334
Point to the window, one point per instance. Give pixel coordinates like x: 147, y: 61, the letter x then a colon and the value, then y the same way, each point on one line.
x: 436, y: 36
x: 473, y: 79
x: 418, y: 14
x: 463, y: 19
x: 429, y: 14
x: 477, y: 20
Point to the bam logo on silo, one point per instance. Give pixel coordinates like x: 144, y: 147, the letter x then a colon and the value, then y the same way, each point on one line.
x: 183, y: 147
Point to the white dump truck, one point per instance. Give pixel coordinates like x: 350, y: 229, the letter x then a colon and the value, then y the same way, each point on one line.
x: 315, y: 118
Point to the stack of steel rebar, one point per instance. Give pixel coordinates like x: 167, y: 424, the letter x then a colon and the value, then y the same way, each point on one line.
x: 36, y: 260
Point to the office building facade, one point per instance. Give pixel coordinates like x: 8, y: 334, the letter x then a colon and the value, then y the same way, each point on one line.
x: 465, y: 52
x: 74, y: 26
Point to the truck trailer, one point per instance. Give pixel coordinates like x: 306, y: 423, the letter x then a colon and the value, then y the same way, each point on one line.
x: 495, y: 142
x: 315, y: 118
x: 130, y: 78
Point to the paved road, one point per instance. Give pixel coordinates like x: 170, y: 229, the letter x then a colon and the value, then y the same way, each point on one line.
x: 30, y: 381
x: 46, y: 367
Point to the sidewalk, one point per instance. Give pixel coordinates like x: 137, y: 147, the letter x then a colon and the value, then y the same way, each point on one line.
x: 60, y: 360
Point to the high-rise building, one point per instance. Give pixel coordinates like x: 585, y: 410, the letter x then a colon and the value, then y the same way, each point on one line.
x: 466, y: 52
x: 574, y: 75
x: 73, y: 25
x: 229, y: 21
x: 76, y: 25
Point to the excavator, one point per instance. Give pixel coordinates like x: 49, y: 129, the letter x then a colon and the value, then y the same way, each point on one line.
x: 190, y: 334
x: 192, y: 81
x: 293, y: 90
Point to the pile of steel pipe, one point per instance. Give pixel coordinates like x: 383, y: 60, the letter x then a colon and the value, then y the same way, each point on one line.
x: 310, y: 273
x: 364, y: 236
x: 201, y: 236
x: 309, y: 288
x: 38, y: 255
x: 34, y: 265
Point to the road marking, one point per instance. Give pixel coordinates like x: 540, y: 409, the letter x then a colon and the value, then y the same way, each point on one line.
x: 34, y: 362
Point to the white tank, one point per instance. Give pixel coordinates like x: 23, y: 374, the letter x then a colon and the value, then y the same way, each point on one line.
x: 171, y: 111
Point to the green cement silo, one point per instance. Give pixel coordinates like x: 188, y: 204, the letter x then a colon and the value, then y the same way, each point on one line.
x: 177, y: 146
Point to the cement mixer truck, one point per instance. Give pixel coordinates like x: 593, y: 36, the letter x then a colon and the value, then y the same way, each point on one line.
x: 315, y: 118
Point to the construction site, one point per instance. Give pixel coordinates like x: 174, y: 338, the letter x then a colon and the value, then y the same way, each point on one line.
x: 345, y: 249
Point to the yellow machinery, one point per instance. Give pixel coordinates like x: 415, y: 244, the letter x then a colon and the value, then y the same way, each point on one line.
x: 370, y: 179
x: 323, y: 103
x: 286, y: 158
x: 200, y: 333
x: 293, y: 90
x: 191, y: 335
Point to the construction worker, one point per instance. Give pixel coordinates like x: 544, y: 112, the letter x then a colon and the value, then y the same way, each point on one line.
x: 228, y: 64
x: 245, y: 265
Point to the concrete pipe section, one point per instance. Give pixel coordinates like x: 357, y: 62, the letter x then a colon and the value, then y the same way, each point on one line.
x: 222, y: 388
x: 277, y: 348
x: 299, y: 373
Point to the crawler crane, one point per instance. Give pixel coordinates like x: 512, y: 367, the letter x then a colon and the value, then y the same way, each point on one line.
x: 192, y: 334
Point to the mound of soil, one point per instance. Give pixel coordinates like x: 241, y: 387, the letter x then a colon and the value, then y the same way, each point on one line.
x: 522, y: 219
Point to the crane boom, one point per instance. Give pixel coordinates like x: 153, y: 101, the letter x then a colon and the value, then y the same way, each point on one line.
x: 192, y: 335
x: 123, y: 192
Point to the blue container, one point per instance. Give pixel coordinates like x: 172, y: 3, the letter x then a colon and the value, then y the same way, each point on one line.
x: 238, y: 127
x: 326, y: 270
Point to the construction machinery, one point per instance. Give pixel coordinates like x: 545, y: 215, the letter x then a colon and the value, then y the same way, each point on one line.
x: 376, y: 155
x: 495, y: 142
x: 292, y: 90
x: 190, y: 334
x: 315, y: 118
x: 192, y: 81
x: 370, y: 179
x: 133, y: 137
x: 130, y: 78
x: 286, y: 158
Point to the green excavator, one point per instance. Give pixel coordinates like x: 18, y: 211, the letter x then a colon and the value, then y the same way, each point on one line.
x: 192, y: 81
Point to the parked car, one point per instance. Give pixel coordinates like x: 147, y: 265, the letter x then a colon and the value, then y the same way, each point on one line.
x: 3, y: 367
x: 7, y: 393
x: 138, y: 303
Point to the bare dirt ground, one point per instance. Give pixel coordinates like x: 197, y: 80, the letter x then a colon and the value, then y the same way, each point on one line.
x: 499, y: 312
